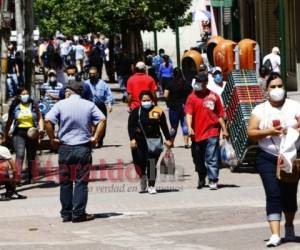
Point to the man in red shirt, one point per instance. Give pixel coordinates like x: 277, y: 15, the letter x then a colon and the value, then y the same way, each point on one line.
x: 204, y: 113
x: 138, y: 83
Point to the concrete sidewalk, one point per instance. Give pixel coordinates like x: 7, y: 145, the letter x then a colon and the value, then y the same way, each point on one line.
x: 178, y: 217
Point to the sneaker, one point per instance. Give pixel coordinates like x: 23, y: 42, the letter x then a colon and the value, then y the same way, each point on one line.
x: 274, y: 241
x: 143, y: 183
x: 213, y: 185
x: 290, y: 234
x: 152, y: 190
x: 201, y: 183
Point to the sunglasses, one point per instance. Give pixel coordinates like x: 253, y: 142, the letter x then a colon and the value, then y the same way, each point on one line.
x: 276, y: 86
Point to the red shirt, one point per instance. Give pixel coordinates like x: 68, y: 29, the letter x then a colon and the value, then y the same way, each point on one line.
x: 206, y: 109
x: 138, y: 83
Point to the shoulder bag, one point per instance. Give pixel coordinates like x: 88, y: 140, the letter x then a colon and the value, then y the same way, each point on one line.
x: 154, y: 145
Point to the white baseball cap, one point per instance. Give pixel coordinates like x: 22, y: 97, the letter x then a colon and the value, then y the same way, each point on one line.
x: 140, y: 65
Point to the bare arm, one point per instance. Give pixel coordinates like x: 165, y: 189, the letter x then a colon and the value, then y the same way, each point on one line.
x: 99, y: 131
x: 166, y: 94
x: 256, y: 134
x: 50, y: 132
x: 189, y: 119
x: 129, y: 99
x: 223, y: 126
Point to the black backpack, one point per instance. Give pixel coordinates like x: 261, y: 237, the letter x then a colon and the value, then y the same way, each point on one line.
x: 268, y: 65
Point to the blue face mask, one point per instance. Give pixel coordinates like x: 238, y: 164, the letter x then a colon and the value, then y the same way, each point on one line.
x: 24, y: 98
x: 218, y: 79
x: 147, y: 104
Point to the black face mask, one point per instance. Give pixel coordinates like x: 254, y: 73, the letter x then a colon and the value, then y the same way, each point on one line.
x: 93, y: 79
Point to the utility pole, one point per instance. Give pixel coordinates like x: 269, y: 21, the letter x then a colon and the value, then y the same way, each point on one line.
x: 155, y: 41
x: 19, y: 25
x: 28, y: 44
x: 282, y: 40
x: 177, y: 42
x: 4, y: 35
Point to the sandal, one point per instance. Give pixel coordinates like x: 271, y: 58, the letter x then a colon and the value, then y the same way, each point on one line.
x: 3, y: 197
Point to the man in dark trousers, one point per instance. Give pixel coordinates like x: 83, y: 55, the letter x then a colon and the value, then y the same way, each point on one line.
x: 75, y: 117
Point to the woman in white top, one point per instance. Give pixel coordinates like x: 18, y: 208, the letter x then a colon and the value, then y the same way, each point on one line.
x: 267, y: 124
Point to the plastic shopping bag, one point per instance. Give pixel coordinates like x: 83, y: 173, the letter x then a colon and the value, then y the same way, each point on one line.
x: 228, y: 156
x: 167, y: 165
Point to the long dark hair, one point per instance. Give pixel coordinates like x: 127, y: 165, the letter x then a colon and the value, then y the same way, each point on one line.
x: 273, y: 76
x: 167, y: 61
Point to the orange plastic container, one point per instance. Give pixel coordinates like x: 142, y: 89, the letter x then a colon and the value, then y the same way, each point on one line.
x: 247, y: 54
x: 211, y: 45
x: 191, y: 62
x: 224, y: 56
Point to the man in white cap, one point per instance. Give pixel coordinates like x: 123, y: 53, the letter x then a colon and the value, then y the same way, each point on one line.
x: 50, y: 90
x: 272, y: 60
x: 138, y: 83
x: 215, y: 81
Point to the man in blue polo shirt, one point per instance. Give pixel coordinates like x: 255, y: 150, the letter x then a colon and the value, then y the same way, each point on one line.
x: 75, y: 117
x: 101, y: 94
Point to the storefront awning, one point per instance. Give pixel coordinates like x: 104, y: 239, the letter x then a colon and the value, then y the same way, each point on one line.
x: 221, y: 3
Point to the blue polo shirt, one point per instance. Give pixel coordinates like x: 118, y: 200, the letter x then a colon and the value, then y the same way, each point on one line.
x: 75, y: 117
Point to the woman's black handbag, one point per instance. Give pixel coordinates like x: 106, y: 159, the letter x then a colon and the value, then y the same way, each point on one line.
x: 155, y: 145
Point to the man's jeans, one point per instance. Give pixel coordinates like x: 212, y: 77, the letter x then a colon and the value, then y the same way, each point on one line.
x: 74, y: 166
x: 206, y: 158
x: 12, y: 85
x: 175, y: 118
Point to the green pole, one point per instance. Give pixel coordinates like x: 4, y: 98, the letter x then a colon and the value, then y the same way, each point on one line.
x: 177, y: 42
x: 155, y: 41
x: 282, y: 39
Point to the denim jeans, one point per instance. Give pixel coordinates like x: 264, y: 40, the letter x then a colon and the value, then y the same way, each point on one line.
x: 74, y: 166
x: 206, y: 158
x: 21, y: 143
x: 175, y: 118
x: 280, y: 196
x: 12, y: 85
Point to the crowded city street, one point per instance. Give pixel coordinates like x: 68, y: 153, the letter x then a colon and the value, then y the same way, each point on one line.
x: 146, y: 124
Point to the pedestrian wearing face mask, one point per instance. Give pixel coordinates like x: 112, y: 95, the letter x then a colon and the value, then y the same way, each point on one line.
x: 268, y: 122
x: 50, y: 90
x: 215, y: 81
x: 28, y: 127
x: 144, y: 122
x: 101, y: 95
x: 72, y: 75
x: 204, y: 114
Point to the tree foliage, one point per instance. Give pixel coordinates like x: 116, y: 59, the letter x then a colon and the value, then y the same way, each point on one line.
x: 108, y: 16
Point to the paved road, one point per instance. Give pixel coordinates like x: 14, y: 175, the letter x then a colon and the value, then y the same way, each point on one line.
x: 178, y: 217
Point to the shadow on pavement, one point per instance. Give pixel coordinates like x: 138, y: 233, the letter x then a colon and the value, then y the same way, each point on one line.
x: 42, y: 184
x: 296, y: 240
x: 107, y: 215
x: 112, y: 146
x: 167, y: 190
x: 220, y: 186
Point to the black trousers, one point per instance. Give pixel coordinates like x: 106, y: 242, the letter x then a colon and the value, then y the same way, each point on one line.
x: 145, y: 164
x: 103, y: 109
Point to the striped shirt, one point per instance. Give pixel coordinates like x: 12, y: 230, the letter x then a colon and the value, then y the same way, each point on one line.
x: 48, y: 89
x: 75, y: 117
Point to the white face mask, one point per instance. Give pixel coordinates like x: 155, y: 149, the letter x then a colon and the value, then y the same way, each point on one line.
x: 197, y: 86
x: 52, y: 79
x: 277, y: 94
